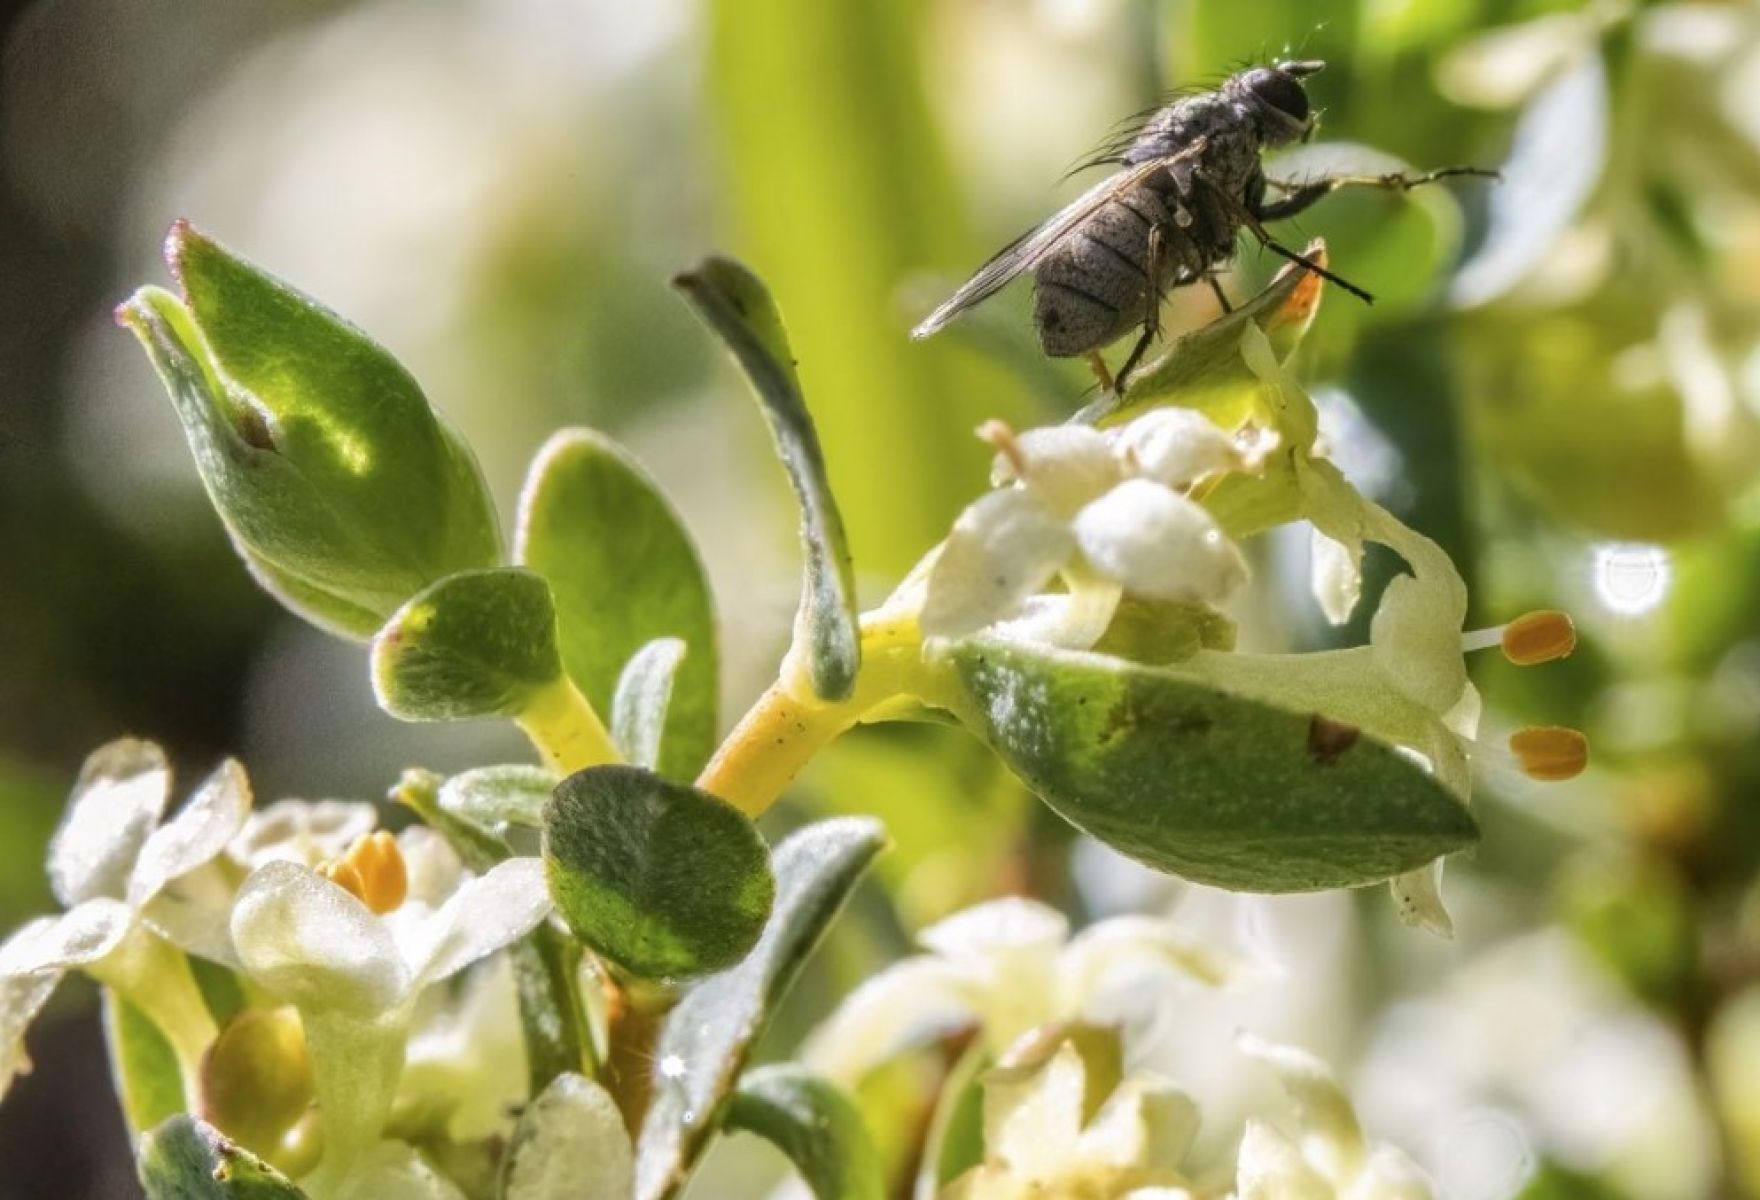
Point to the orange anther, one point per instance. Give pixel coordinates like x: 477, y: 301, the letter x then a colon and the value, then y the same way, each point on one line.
x: 373, y: 870
x: 1550, y: 753
x: 1539, y: 637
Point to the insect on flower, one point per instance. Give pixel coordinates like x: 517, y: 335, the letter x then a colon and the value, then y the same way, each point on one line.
x: 1190, y: 181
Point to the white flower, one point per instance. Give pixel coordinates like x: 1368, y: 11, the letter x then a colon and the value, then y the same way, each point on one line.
x: 111, y: 863
x: 1326, y: 1156
x: 1036, y: 1142
x: 302, y: 831
x: 1109, y: 513
x: 355, y: 975
x: 1006, y: 967
x: 465, y: 1066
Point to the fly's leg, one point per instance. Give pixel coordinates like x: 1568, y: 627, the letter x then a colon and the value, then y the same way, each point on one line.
x: 1221, y: 296
x: 1297, y: 197
x: 1152, y: 303
x: 1097, y: 365
x: 1253, y: 222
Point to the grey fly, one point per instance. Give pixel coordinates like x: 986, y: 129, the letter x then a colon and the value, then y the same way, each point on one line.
x: 1188, y: 182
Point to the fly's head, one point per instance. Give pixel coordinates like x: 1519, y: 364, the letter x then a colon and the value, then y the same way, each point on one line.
x: 1277, y: 99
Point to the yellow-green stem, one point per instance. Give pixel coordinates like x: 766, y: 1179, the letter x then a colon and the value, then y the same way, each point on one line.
x: 566, y: 730
x: 788, y: 725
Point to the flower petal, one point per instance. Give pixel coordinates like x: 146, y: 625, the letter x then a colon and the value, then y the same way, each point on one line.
x: 1175, y: 447
x: 394, y: 1171
x: 1033, y: 1116
x: 21, y: 998
x: 1146, y: 1123
x: 1003, y: 548
x: 1392, y: 1175
x: 1331, y: 1138
x: 1072, y: 621
x: 433, y: 866
x: 199, y: 832
x: 195, y: 926
x: 1159, y: 544
x: 114, y: 807
x: 1009, y: 924
x: 1417, y: 897
x: 1064, y: 466
x: 570, y: 1144
x: 76, y: 938
x: 1271, y: 1168
x: 309, y: 942
x: 906, y: 1005
x: 486, y: 913
x: 1336, y: 575
x: 1123, y: 949
x: 301, y: 831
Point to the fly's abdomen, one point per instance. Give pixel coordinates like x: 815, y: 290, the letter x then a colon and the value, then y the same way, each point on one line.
x: 1095, y: 287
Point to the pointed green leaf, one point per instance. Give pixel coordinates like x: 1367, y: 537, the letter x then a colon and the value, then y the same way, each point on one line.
x: 476, y: 644
x: 624, y: 572
x: 342, y: 489
x: 739, y: 310
x: 811, y: 1120
x: 704, y: 1046
x: 1202, y: 783
x: 666, y: 881
x: 644, y: 694
x: 186, y: 1159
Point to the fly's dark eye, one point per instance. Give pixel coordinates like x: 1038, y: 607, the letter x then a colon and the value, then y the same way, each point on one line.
x: 1281, y: 91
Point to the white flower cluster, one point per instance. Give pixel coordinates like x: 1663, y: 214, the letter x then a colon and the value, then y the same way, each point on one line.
x: 318, y: 915
x: 1061, y: 1114
x: 1108, y: 514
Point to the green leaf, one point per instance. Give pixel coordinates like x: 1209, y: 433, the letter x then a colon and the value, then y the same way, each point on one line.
x: 142, y: 1064
x: 341, y: 488
x: 712, y: 1030
x: 666, y: 881
x: 812, y: 1121
x: 476, y: 644
x: 737, y: 308
x: 623, y: 572
x: 186, y: 1159
x: 1203, y: 783
x: 644, y: 693
x: 493, y: 798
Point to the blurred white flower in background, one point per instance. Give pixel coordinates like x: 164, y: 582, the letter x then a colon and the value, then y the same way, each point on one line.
x: 1004, y: 968
x: 1530, y: 1032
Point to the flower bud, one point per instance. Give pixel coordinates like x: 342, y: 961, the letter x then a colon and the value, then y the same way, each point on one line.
x: 342, y: 489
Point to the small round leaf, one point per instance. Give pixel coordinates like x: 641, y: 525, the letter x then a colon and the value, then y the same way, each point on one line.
x: 662, y: 879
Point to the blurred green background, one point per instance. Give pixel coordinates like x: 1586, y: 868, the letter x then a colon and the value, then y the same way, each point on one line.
x: 1560, y: 382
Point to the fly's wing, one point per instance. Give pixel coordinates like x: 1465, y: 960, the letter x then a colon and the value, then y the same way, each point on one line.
x: 1024, y: 253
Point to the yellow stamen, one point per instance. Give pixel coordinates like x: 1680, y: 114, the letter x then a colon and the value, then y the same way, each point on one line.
x: 1550, y: 753
x: 373, y: 871
x: 1539, y: 637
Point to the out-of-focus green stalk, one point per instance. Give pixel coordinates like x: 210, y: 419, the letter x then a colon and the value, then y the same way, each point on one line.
x: 841, y: 190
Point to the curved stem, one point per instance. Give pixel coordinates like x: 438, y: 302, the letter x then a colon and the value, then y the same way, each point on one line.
x: 784, y: 728
x: 566, y: 729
